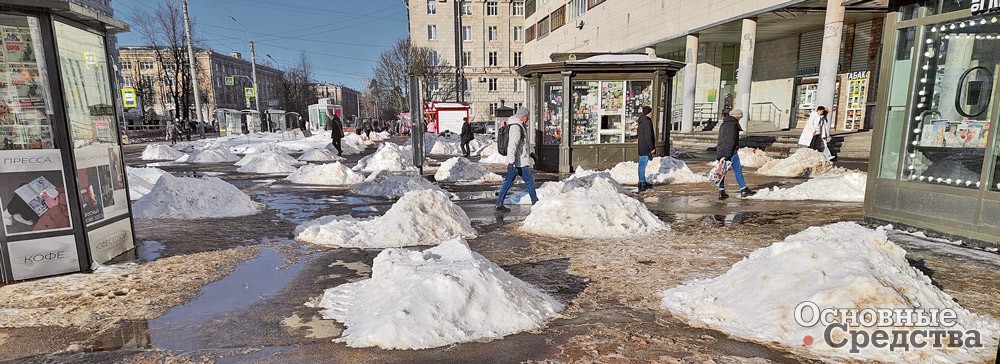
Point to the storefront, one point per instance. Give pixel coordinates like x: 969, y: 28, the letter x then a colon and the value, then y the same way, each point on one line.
x: 935, y: 156
x: 62, y: 180
x: 585, y: 108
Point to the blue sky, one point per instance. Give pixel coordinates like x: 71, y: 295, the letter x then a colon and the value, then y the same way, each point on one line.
x: 343, y: 38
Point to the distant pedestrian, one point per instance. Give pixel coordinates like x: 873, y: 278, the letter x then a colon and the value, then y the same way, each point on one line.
x: 336, y: 133
x: 367, y: 128
x: 517, y: 158
x: 466, y: 137
x: 816, y: 133
x: 647, y: 145
x: 726, y: 151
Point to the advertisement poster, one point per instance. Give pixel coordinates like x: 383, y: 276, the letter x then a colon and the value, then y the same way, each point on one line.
x: 102, y: 183
x: 33, y: 192
x: 43, y: 257
x: 110, y: 241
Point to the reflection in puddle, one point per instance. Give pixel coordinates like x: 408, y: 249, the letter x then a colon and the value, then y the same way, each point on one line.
x: 149, y: 250
x: 476, y: 195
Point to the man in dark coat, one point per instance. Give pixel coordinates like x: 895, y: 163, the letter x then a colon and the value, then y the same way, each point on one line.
x: 647, y: 145
x: 467, y: 137
x: 336, y: 133
x: 726, y: 150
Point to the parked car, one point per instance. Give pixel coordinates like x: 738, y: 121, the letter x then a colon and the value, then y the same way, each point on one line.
x: 483, y: 127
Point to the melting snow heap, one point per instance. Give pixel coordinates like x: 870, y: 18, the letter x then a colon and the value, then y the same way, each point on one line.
x: 459, y: 169
x: 142, y: 180
x: 496, y: 158
x: 160, y: 152
x: 591, y: 206
x: 387, y: 184
x: 332, y: 174
x: 389, y: 157
x: 849, y: 187
x: 270, y: 162
x: 753, y: 157
x: 193, y: 198
x: 419, y: 218
x: 319, y: 155
x: 670, y: 171
x: 351, y: 144
x: 804, y: 162
x: 843, y: 266
x: 444, y: 295
x: 216, y: 154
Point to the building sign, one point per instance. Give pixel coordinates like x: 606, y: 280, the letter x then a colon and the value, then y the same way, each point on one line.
x: 110, y: 241
x: 43, y: 257
x: 857, y: 99
x: 249, y: 92
x: 984, y: 6
x: 230, y: 81
x: 128, y: 98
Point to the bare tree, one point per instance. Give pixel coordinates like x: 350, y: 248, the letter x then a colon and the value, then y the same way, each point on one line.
x: 394, y: 68
x: 296, y: 85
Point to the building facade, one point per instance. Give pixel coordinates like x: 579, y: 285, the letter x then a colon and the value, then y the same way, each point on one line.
x: 346, y: 97
x: 154, y: 78
x: 778, y: 45
x: 486, y: 39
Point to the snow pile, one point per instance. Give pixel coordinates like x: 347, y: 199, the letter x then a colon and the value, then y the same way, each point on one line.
x: 380, y: 136
x: 419, y: 218
x: 351, y: 144
x: 581, y: 177
x: 804, y: 162
x: 319, y: 155
x: 496, y: 158
x: 333, y: 174
x: 592, y: 207
x: 843, y: 266
x: 486, y: 150
x: 849, y: 187
x: 160, y: 152
x: 193, y: 198
x: 753, y: 157
x: 389, y: 157
x: 268, y: 163
x: 256, y: 148
x: 660, y: 170
x: 387, y: 184
x: 444, y: 295
x: 213, y: 155
x: 142, y: 180
x: 459, y: 169
x: 440, y: 144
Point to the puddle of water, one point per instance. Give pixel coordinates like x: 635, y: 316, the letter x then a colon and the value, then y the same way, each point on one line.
x: 149, y: 250
x: 476, y: 195
x: 365, y: 209
x: 350, y: 200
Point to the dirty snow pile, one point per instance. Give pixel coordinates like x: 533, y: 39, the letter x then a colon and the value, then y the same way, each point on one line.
x: 389, y: 157
x: 257, y: 148
x: 319, y: 155
x: 422, y: 217
x: 142, y: 180
x: 842, y: 266
x: 160, y: 152
x: 388, y: 184
x: 496, y: 158
x: 485, y: 150
x: 459, y: 169
x: 441, y: 145
x: 753, y: 157
x: 591, y: 207
x: 444, y: 295
x: 351, y: 144
x: 268, y: 163
x: 581, y: 177
x: 193, y: 198
x: 378, y: 137
x: 660, y: 170
x: 212, y: 155
x: 804, y: 162
x: 849, y: 187
x: 332, y: 174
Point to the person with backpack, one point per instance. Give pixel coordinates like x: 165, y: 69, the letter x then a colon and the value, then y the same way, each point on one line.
x: 513, y: 144
x: 726, y: 152
x: 647, y: 145
x: 466, y: 137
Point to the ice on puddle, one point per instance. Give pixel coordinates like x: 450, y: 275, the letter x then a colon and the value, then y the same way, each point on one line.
x: 804, y: 162
x: 332, y: 174
x: 459, y: 169
x: 160, y: 152
x: 444, y: 295
x: 191, y: 198
x: 847, y: 187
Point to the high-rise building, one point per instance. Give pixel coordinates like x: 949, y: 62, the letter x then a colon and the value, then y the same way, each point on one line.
x: 485, y: 39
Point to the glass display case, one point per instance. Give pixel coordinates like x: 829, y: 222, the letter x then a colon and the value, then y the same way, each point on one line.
x: 585, y: 115
x: 553, y: 103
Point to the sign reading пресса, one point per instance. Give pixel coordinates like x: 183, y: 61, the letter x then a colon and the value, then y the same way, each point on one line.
x: 984, y: 6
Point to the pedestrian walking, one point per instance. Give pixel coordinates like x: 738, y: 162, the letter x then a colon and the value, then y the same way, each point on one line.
x: 336, y: 133
x: 517, y: 158
x: 368, y: 128
x: 726, y: 151
x: 816, y: 133
x: 466, y: 137
x: 647, y: 145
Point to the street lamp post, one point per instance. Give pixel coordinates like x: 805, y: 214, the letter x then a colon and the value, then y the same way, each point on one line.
x: 253, y: 67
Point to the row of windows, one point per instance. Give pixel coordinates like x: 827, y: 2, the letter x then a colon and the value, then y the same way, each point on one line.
x: 492, y: 33
x: 492, y: 8
x: 492, y: 84
x: 492, y: 59
x: 494, y: 106
x: 558, y: 17
x: 576, y: 7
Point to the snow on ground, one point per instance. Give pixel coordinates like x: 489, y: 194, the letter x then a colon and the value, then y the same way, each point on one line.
x: 849, y: 187
x: 440, y: 144
x: 444, y: 295
x: 389, y: 185
x: 495, y: 158
x: 843, y: 265
x: 351, y: 144
x: 389, y: 157
x: 257, y: 148
x: 193, y: 198
x: 660, y: 170
x: 419, y: 218
x: 332, y: 174
x: 486, y: 150
x: 212, y: 155
x: 591, y: 207
x: 581, y: 177
x: 459, y: 169
x: 142, y: 180
x: 160, y: 152
x: 753, y: 157
x: 804, y: 162
x: 252, y: 158
x: 320, y: 155
x: 271, y: 162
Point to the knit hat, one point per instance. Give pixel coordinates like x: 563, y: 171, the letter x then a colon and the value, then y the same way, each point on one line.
x: 521, y: 112
x: 736, y: 113
x: 646, y: 110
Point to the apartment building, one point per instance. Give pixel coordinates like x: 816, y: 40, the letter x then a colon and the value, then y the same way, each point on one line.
x: 485, y: 38
x: 339, y: 94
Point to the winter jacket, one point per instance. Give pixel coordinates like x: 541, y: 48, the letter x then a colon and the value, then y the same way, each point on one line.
x: 337, y: 131
x: 816, y: 125
x: 729, y: 138
x: 645, y: 135
x: 467, y: 132
x: 517, y: 143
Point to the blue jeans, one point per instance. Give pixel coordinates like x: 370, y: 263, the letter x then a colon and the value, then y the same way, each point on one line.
x: 529, y: 183
x: 643, y: 160
x: 738, y: 171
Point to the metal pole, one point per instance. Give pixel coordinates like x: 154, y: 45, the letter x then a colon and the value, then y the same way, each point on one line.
x: 253, y: 68
x: 416, y: 123
x: 459, y: 85
x: 194, y: 73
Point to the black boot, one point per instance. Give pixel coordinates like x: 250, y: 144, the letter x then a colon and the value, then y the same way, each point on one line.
x: 747, y: 192
x: 723, y: 195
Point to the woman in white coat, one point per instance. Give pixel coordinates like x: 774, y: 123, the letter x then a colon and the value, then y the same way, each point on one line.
x: 816, y: 133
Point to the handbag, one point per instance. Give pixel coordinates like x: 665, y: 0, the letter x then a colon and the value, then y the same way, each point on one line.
x: 718, y: 172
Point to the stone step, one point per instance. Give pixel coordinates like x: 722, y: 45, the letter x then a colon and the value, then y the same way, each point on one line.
x: 852, y: 145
